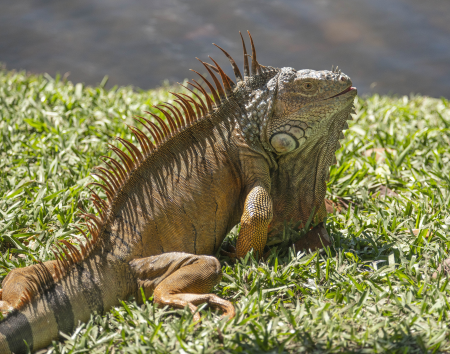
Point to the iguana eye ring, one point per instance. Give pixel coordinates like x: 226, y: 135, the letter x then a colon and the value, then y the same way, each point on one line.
x: 307, y: 86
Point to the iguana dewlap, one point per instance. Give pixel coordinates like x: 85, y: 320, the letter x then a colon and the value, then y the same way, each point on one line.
x: 258, y: 153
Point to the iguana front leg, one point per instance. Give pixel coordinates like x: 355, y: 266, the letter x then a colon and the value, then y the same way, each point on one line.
x: 180, y: 279
x: 258, y: 212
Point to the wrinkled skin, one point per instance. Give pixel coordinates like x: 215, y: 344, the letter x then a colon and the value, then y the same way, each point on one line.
x: 310, y: 112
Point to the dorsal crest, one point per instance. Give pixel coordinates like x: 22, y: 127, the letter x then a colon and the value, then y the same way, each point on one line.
x: 151, y: 136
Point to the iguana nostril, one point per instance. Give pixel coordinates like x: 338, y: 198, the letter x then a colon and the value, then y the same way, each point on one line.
x: 343, y: 78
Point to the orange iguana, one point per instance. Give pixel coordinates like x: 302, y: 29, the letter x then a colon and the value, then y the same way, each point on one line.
x: 257, y: 153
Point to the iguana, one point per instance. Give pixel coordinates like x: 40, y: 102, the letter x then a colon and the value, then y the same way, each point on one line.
x: 257, y: 152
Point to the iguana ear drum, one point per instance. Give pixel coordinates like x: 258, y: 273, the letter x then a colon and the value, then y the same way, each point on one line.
x: 283, y: 142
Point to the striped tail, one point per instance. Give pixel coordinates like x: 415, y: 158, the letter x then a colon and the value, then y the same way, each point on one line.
x: 87, y: 288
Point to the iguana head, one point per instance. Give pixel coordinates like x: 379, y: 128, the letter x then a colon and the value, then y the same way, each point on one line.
x: 304, y: 101
x: 283, y: 109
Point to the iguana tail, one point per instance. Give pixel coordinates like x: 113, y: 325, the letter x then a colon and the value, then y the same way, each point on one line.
x: 39, y: 317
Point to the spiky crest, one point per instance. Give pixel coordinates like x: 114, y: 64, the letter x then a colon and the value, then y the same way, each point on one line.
x: 117, y: 173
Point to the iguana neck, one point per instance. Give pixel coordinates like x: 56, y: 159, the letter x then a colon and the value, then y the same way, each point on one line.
x: 302, y: 175
x: 256, y: 101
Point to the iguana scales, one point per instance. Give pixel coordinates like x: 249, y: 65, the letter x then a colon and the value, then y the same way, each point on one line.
x: 257, y: 152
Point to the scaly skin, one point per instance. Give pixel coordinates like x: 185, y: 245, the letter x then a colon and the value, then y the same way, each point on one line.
x: 262, y: 156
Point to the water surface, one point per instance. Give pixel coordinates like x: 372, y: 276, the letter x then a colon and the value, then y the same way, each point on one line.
x: 385, y: 46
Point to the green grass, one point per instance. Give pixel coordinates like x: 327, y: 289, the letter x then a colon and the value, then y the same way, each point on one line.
x: 371, y: 292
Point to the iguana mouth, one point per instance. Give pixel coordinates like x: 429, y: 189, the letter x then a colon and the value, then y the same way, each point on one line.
x: 351, y: 88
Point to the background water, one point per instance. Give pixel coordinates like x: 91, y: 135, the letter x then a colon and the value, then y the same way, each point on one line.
x: 385, y: 46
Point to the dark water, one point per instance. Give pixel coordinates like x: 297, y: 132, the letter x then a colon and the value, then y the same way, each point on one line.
x: 385, y: 46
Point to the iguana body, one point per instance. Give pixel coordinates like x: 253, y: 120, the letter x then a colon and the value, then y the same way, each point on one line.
x: 261, y: 155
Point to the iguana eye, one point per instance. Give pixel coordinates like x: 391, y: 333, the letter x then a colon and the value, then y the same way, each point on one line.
x: 307, y: 86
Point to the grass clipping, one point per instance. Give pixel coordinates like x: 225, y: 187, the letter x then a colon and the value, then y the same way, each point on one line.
x: 371, y: 292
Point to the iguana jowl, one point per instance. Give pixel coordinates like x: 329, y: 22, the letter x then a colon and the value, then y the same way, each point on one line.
x: 259, y: 153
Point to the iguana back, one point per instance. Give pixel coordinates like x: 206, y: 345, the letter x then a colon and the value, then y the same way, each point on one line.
x: 176, y: 199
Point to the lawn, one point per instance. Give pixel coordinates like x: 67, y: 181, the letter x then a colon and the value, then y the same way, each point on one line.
x: 372, y: 291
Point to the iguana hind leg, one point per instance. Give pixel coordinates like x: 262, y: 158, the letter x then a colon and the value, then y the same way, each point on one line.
x: 180, y: 279
x: 24, y: 283
x: 5, y: 307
